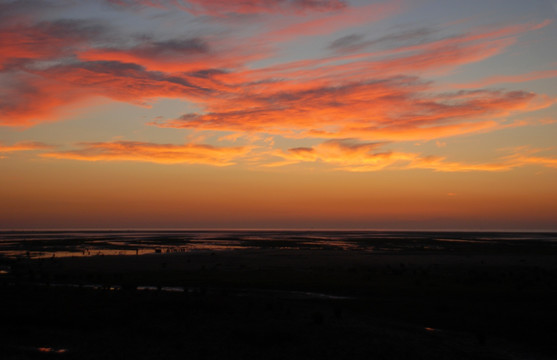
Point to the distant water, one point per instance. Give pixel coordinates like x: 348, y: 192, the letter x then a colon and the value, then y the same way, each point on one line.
x: 44, y: 244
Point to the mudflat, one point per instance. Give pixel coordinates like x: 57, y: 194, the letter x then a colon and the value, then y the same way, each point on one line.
x: 486, y: 301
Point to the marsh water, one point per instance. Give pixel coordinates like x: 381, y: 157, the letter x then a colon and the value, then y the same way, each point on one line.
x: 44, y: 244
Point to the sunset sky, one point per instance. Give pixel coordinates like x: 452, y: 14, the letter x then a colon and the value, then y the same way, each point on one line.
x: 309, y: 114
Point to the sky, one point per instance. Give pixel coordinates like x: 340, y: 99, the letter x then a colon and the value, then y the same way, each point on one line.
x: 278, y: 114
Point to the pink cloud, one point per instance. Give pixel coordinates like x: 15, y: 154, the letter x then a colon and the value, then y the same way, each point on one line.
x: 222, y: 7
x: 321, y: 25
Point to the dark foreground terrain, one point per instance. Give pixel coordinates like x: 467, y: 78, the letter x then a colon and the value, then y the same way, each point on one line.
x: 494, y: 302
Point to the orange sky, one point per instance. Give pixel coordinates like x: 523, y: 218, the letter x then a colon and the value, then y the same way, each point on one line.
x: 278, y: 114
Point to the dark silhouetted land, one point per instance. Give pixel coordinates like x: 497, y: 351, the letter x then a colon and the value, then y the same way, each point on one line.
x: 278, y: 295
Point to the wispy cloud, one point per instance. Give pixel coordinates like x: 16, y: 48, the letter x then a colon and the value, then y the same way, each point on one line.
x: 223, y: 7
x: 526, y: 155
x: 50, y: 65
x: 503, y: 79
x: 328, y: 98
x: 402, y: 38
x: 26, y: 43
x: 342, y: 154
x: 330, y: 23
x: 155, y: 153
x: 370, y: 89
x: 348, y: 155
x: 179, y: 55
x: 24, y: 146
x: 392, y: 109
x: 40, y: 94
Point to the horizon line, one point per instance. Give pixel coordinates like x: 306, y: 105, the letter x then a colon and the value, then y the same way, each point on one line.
x: 161, y: 229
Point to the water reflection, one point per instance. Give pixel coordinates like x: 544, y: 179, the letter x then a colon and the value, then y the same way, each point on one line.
x: 53, y: 244
x: 52, y: 350
x: 290, y: 294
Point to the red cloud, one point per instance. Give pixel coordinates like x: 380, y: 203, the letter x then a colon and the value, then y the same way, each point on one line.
x: 23, y: 41
x: 392, y: 109
x: 41, y: 94
x: 188, y: 55
x: 27, y: 99
x: 328, y: 98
